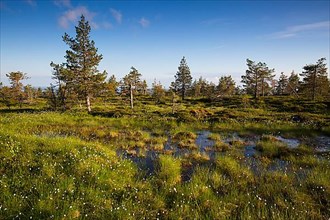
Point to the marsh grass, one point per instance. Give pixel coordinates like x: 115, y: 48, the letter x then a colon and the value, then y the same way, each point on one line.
x: 221, y: 146
x: 271, y: 147
x: 185, y: 139
x: 65, y: 166
x: 169, y: 173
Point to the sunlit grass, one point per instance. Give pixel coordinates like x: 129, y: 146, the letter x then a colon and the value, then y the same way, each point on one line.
x: 67, y: 165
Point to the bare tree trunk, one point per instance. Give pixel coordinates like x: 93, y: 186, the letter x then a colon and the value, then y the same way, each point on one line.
x: 88, y: 104
x: 131, y: 95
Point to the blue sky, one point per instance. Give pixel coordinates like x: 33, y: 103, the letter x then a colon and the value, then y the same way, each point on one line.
x: 216, y: 37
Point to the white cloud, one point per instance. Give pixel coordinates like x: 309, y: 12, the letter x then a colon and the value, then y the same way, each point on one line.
x: 63, y: 3
x: 73, y: 15
x: 298, y: 29
x: 144, y: 22
x: 31, y: 3
x: 117, y: 15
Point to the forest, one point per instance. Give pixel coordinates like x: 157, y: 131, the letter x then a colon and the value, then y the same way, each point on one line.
x: 91, y: 146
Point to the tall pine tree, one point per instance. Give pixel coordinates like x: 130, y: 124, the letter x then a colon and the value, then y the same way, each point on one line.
x: 183, y: 78
x: 257, y: 78
x: 81, y: 64
x: 315, y: 84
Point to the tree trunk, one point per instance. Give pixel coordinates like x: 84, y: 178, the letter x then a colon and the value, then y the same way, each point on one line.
x: 131, y: 95
x: 314, y: 85
x: 88, y: 104
x: 173, y: 104
x: 262, y: 87
x: 256, y: 85
x: 256, y: 90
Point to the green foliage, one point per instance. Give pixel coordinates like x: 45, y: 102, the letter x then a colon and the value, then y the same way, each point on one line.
x: 158, y: 92
x: 169, y: 173
x: 257, y: 78
x: 14, y: 95
x: 315, y: 84
x: 226, y: 86
x: 282, y: 85
x: 131, y: 84
x: 80, y: 73
x: 72, y: 164
x: 182, y: 79
x: 271, y: 147
x: 6, y: 97
x: 293, y: 84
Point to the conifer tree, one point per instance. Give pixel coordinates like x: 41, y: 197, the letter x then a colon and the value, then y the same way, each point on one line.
x: 282, y: 84
x: 131, y: 83
x: 293, y: 84
x: 81, y: 64
x: 257, y: 78
x: 315, y: 82
x: 226, y: 86
x: 158, y: 91
x: 16, y: 89
x: 112, y: 86
x: 182, y: 78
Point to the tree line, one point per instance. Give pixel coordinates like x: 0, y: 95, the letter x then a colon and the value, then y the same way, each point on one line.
x: 78, y: 79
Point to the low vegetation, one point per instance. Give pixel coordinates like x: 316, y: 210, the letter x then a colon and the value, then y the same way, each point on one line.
x: 151, y: 164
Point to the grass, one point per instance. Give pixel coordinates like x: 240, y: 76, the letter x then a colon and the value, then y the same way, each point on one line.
x: 271, y: 147
x: 67, y: 165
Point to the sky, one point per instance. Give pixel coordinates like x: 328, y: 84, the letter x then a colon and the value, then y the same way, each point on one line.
x: 216, y: 37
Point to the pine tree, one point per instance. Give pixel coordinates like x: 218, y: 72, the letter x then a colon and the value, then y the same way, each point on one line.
x: 112, y: 86
x: 257, y: 78
x: 131, y: 84
x: 16, y: 89
x: 81, y: 64
x: 199, y: 87
x: 226, y: 86
x: 59, y: 92
x: 144, y: 87
x: 293, y: 84
x: 315, y: 84
x: 282, y: 84
x: 158, y: 92
x: 183, y: 78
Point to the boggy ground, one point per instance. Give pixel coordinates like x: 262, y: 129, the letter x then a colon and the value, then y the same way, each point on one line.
x: 204, y: 161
